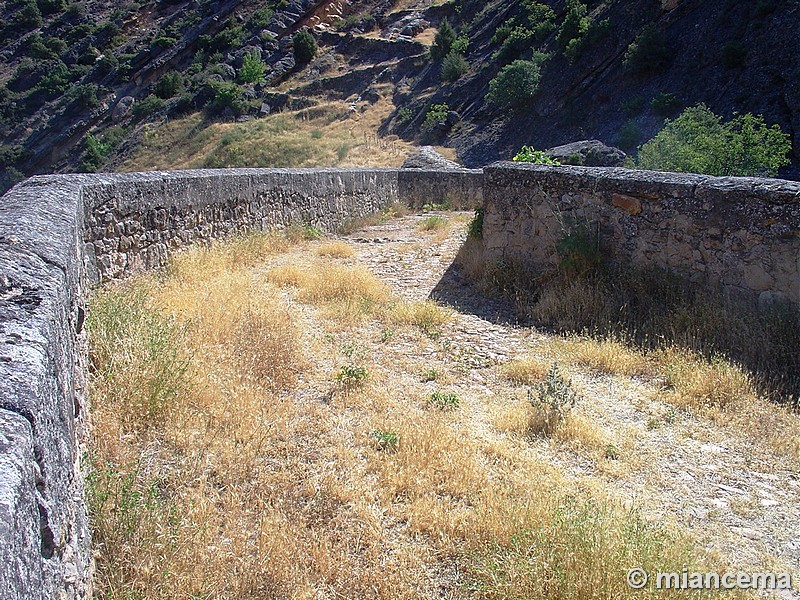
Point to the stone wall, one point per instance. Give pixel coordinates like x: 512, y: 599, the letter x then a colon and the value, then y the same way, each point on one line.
x: 455, y: 188
x: 734, y: 234
x: 133, y: 222
x: 59, y: 234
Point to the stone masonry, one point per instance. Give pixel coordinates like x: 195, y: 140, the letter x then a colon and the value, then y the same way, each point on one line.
x: 734, y: 234
x: 59, y: 234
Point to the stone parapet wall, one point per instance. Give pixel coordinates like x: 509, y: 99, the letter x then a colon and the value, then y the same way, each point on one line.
x: 455, y: 188
x: 44, y: 536
x: 58, y: 235
x: 734, y: 234
x: 133, y: 223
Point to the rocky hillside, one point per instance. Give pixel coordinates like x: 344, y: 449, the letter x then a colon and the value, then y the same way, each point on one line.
x: 83, y: 81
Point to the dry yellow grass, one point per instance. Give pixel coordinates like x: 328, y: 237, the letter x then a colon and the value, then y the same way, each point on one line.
x: 424, y: 314
x: 701, y: 384
x: 528, y: 370
x: 604, y: 356
x: 336, y: 249
x: 325, y: 136
x: 260, y: 480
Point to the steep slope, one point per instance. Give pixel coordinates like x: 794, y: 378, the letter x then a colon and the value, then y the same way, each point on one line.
x: 734, y: 57
x: 86, y: 82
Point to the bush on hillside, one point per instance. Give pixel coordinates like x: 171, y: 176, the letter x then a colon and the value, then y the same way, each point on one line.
x: 253, y: 68
x: 699, y: 141
x: 576, y: 23
x: 305, y: 47
x: 436, y: 114
x: 516, y: 83
x: 454, y: 66
x: 443, y: 42
x: 169, y: 85
x: 649, y: 53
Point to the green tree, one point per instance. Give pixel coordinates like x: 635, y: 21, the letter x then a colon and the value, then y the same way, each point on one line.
x: 516, y: 83
x: 436, y: 114
x: 699, y: 141
x: 541, y: 18
x: 454, y: 66
x: 169, y: 85
x: 444, y: 40
x: 576, y: 24
x: 531, y: 155
x: 649, y: 52
x: 305, y: 47
x: 28, y: 17
x: 253, y: 68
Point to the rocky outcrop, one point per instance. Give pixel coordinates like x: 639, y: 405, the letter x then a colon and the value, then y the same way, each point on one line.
x: 588, y: 153
x: 426, y: 157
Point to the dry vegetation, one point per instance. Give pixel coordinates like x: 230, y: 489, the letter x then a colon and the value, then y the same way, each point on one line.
x: 250, y: 444
x: 270, y: 421
x: 328, y: 135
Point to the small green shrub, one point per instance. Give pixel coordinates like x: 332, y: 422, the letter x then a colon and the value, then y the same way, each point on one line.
x: 444, y: 401
x: 461, y: 45
x: 99, y: 148
x: 430, y: 375
x: 530, y: 155
x: 436, y: 114
x: 433, y: 223
x: 84, y: 95
x: 611, y: 452
x: 169, y: 85
x: 51, y: 7
x: 665, y: 104
x: 576, y: 24
x: 444, y: 40
x: 454, y: 66
x: 553, y: 400
x: 578, y: 251
x: 516, y: 83
x: 405, y: 115
x: 226, y: 95
x: 475, y: 230
x: 260, y: 18
x: 387, y: 440
x: 352, y: 376
x: 629, y: 135
x: 305, y: 47
x: 28, y: 16
x: 148, y: 106
x: 541, y: 18
x: 253, y: 68
x: 649, y: 53
x: 515, y: 42
x: 698, y: 141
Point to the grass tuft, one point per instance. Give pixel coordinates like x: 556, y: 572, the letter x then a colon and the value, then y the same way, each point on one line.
x: 336, y: 249
x: 424, y: 314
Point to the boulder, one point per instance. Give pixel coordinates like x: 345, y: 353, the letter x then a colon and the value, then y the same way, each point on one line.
x: 123, y: 108
x: 589, y: 153
x: 426, y: 157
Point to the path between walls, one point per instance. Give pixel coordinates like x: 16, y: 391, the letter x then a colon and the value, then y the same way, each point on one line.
x: 734, y: 496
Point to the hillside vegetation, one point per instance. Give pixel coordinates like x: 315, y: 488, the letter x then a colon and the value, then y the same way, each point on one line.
x: 85, y: 83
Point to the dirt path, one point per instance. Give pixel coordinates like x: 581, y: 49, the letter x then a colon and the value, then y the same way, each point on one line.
x: 732, y: 494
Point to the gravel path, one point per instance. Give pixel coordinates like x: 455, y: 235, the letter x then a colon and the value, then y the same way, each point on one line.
x: 732, y: 494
